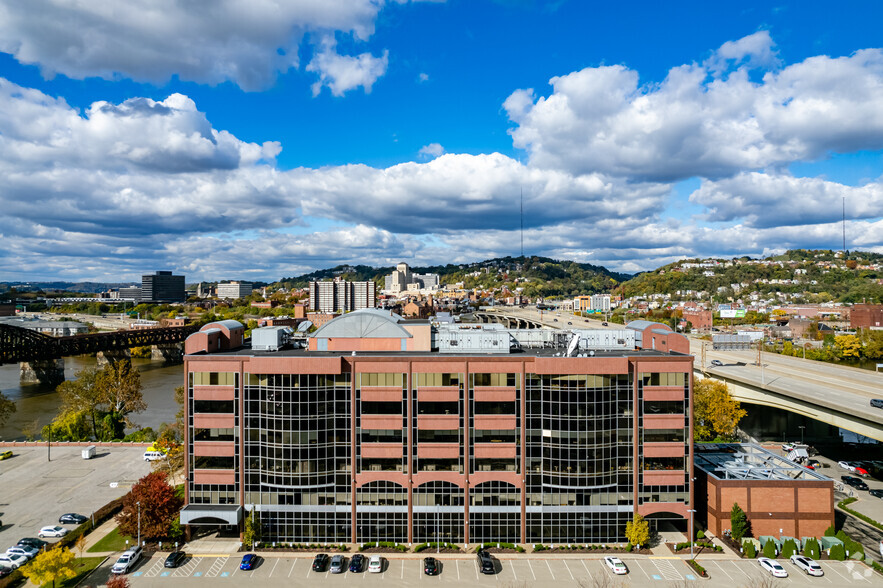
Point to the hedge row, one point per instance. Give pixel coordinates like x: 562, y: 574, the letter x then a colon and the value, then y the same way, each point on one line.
x: 842, y: 505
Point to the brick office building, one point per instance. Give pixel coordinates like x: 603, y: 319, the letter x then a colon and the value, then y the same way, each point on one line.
x: 780, y: 497
x: 385, y: 429
x: 864, y: 316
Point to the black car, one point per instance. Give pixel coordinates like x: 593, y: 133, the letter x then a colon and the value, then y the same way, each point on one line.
x: 320, y: 562
x: 486, y: 563
x: 854, y: 482
x: 76, y: 519
x: 430, y: 566
x: 4, y: 571
x: 357, y: 562
x: 175, y: 559
x: 877, y: 402
x: 33, y: 542
x: 876, y: 493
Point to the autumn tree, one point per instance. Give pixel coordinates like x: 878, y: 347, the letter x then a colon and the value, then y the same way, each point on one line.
x: 850, y: 346
x: 715, y: 413
x: 120, y: 388
x: 637, y: 531
x: 80, y: 545
x: 49, y: 566
x: 159, y: 506
x: 82, y: 395
x: 253, y: 528
x: 7, y: 407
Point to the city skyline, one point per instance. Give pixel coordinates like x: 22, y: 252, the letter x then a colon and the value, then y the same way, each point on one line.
x: 279, y: 140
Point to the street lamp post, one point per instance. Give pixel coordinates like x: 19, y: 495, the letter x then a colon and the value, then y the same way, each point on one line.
x: 691, y: 511
x: 437, y: 548
x: 138, y: 504
x: 801, y: 427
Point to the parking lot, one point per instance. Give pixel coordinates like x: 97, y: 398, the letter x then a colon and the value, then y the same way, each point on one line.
x: 34, y: 491
x: 522, y: 572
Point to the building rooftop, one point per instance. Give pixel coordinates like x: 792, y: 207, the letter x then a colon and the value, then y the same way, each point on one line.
x: 748, y: 461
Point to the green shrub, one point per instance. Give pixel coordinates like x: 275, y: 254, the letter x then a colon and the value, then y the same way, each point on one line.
x: 700, y: 534
x: 540, y: 547
x: 838, y: 553
x: 830, y: 531
x: 739, y: 525
x: 811, y: 549
x: 769, y: 549
x: 628, y: 547
x: 749, y: 549
x: 789, y: 548
x: 695, y: 565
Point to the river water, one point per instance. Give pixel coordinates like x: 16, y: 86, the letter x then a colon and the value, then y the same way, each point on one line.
x: 39, y: 402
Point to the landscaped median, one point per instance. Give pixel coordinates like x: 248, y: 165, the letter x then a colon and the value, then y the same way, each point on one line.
x: 843, y: 505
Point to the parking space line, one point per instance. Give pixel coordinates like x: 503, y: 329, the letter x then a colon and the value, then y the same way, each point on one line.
x: 722, y: 569
x: 640, y: 567
x: 475, y: 565
x: 568, y: 569
x: 587, y: 571
x: 188, y: 568
x: 403, y: 570
x: 834, y: 569
x: 531, y: 570
x: 856, y: 574
x: 512, y: 565
x: 738, y: 567
x: 215, y: 568
x: 548, y: 565
x: 292, y: 567
x: 274, y: 567
x: 458, y: 569
x: 155, y: 569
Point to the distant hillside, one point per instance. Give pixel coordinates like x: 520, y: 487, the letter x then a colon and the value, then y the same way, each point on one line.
x: 73, y: 287
x: 536, y: 276
x: 819, y: 275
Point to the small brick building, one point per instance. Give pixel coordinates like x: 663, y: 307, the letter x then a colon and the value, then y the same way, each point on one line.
x: 780, y: 497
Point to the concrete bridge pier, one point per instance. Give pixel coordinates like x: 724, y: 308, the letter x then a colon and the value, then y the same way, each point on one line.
x: 106, y: 357
x: 50, y: 371
x: 169, y: 353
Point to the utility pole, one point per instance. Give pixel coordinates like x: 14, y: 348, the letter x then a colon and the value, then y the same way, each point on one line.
x: 844, y: 225
x: 139, y: 523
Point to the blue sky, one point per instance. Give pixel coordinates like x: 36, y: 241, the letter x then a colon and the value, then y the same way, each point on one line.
x: 260, y: 140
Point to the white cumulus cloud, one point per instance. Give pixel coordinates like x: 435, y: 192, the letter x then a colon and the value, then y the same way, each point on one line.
x: 342, y: 73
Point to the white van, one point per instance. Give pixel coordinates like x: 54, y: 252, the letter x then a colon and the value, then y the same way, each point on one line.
x: 153, y: 455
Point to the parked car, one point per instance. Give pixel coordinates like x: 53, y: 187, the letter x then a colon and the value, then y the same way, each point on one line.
x: 52, y: 531
x: 773, y: 567
x: 5, y: 454
x: 11, y: 560
x: 375, y: 564
x: 860, y: 471
x: 127, y: 561
x: 174, y: 559
x: 320, y: 562
x: 814, y: 464
x: 846, y: 465
x: 4, y: 572
x: 338, y: 564
x: 249, y: 561
x: 357, y: 562
x: 430, y: 566
x: 486, y: 563
x: 71, y: 517
x: 603, y: 324
x: 877, y: 402
x: 33, y: 542
x: 615, y: 564
x: 876, y: 493
x: 718, y: 363
x: 23, y: 550
x: 807, y: 565
x: 854, y: 482
x: 788, y: 447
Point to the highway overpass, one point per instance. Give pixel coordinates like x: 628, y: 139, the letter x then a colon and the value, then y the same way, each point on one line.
x: 832, y: 394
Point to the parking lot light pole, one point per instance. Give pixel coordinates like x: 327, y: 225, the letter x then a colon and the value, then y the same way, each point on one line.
x: 138, y: 504
x: 801, y: 427
x: 691, y: 511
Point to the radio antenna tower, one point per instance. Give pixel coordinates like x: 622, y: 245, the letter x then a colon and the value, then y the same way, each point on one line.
x: 844, y: 225
x: 522, y: 223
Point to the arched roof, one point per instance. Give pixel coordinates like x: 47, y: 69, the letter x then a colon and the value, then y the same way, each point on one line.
x: 228, y: 324
x: 368, y: 323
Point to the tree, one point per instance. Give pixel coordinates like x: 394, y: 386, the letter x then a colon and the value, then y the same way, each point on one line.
x: 850, y: 346
x: 749, y: 549
x: 80, y: 545
x: 117, y: 581
x: 769, y: 548
x: 637, y: 531
x: 811, y: 548
x: 715, y: 412
x: 253, y: 528
x: 120, y: 389
x: 82, y: 395
x: 739, y: 526
x: 159, y: 506
x: 789, y: 548
x: 7, y: 407
x: 49, y: 566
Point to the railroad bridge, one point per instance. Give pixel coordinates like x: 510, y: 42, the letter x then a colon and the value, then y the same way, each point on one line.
x: 41, y: 356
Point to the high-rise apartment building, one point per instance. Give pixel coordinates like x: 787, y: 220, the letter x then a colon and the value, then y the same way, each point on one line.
x: 341, y: 296
x: 234, y: 290
x: 385, y: 429
x: 402, y: 277
x: 162, y: 287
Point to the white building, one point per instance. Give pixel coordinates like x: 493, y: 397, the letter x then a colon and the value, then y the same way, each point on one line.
x: 601, y: 302
x: 402, y: 279
x: 234, y: 290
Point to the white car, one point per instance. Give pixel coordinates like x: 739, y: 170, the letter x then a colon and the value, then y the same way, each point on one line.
x: 375, y: 564
x: 615, y: 564
x: 846, y: 465
x: 788, y: 447
x: 11, y: 560
x: 807, y: 565
x: 52, y: 531
x: 23, y: 550
x: 126, y: 561
x: 773, y: 567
